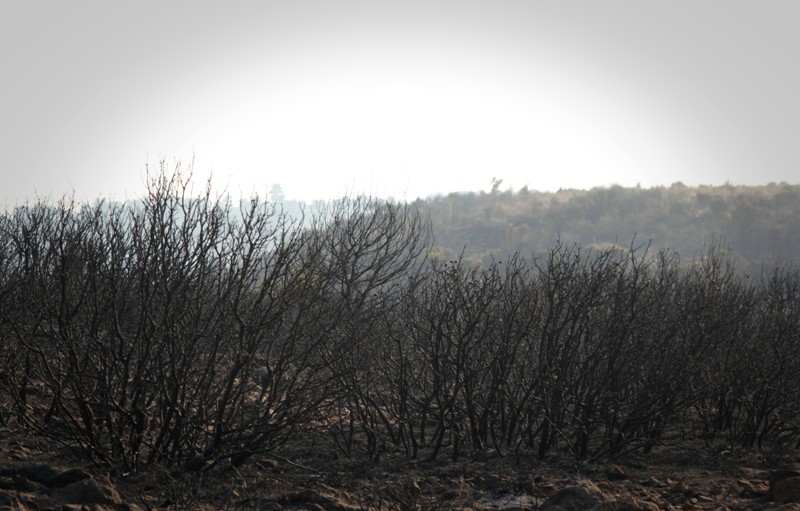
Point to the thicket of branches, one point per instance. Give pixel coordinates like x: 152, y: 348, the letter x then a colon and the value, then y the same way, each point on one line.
x: 592, y: 354
x: 134, y: 331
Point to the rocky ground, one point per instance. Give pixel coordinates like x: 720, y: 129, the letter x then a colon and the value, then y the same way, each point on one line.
x: 36, y: 475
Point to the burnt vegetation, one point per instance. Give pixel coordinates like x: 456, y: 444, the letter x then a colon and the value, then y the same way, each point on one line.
x: 190, y: 332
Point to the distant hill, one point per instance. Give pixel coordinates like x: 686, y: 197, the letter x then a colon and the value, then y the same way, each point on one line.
x: 758, y: 224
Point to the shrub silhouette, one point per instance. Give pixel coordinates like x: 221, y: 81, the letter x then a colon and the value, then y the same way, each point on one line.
x: 190, y: 331
x: 140, y: 325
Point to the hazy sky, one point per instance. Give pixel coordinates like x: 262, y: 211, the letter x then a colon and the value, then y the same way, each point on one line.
x: 404, y: 98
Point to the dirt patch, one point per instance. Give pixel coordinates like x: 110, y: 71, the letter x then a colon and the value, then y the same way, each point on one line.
x: 36, y: 475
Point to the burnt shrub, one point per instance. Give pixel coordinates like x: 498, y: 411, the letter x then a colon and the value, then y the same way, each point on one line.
x: 140, y: 325
x: 188, y: 329
x: 589, y: 353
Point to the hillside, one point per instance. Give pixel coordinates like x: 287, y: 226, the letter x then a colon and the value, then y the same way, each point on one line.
x: 757, y: 224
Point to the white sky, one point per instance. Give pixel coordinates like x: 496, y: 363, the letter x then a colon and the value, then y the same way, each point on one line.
x: 397, y: 98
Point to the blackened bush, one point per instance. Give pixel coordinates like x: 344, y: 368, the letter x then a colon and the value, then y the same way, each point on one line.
x: 141, y: 324
x: 757, y: 402
x: 136, y: 331
x: 588, y: 353
x: 439, y: 381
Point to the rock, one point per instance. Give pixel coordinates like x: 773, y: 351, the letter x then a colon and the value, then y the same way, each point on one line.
x: 7, y: 483
x: 12, y: 503
x: 69, y: 476
x: 19, y: 482
x: 36, y: 472
x: 681, y: 486
x: 787, y: 490
x: 18, y: 501
x: 631, y: 503
x: 616, y: 473
x: 547, y: 487
x: 574, y: 498
x: 786, y: 507
x: 626, y: 503
x: 751, y: 489
x: 87, y: 491
x: 652, y: 482
x: 649, y: 506
x: 778, y: 475
x: 7, y: 500
x: 605, y: 486
x: 505, y: 502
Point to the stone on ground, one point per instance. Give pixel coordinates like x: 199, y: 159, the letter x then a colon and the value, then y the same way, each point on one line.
x: 87, y: 491
x: 575, y: 498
